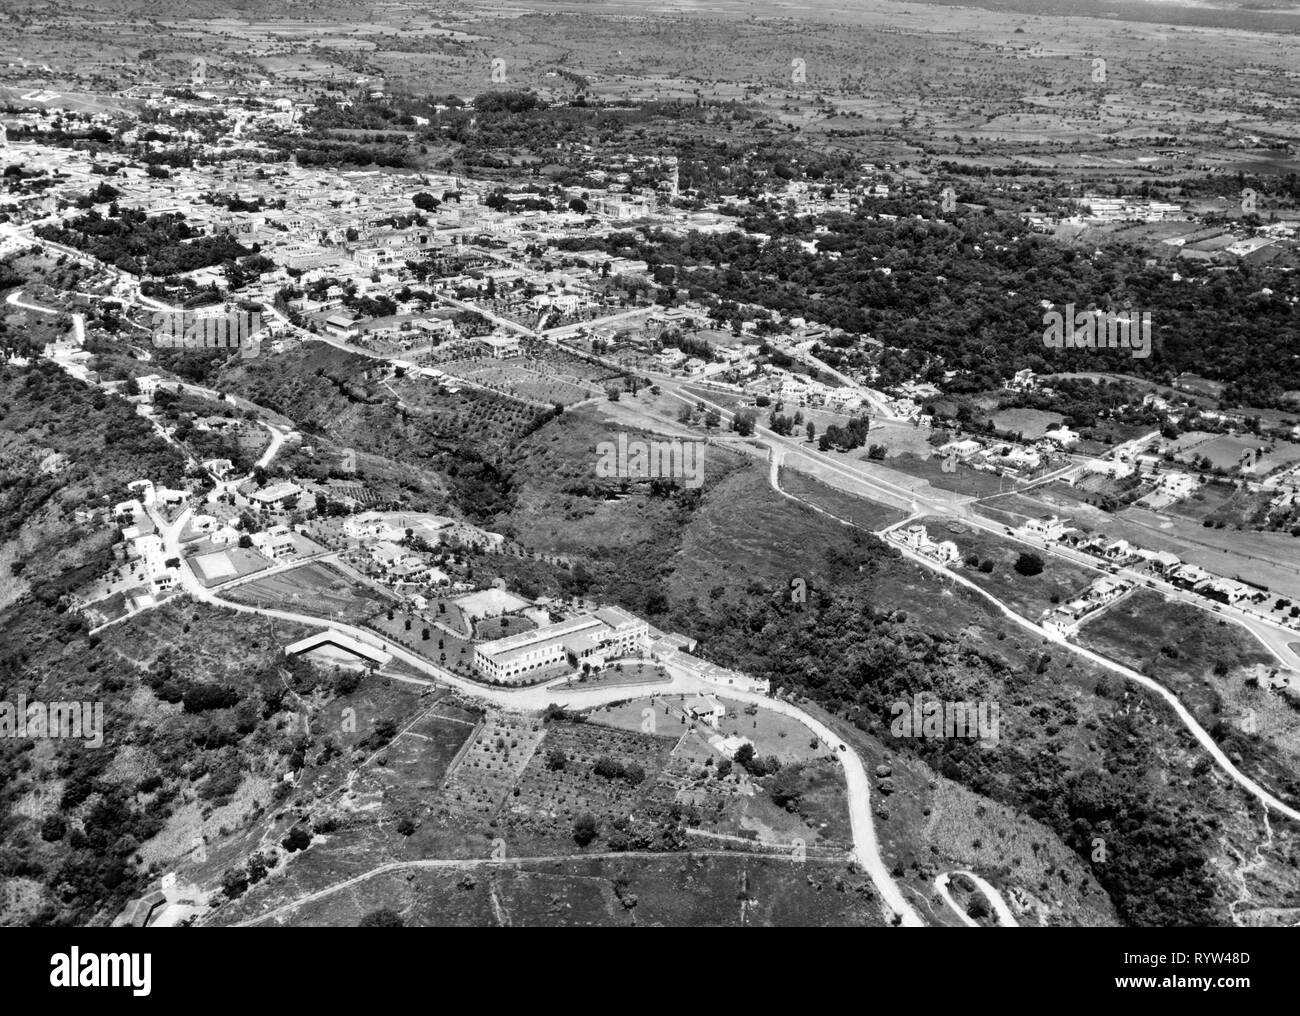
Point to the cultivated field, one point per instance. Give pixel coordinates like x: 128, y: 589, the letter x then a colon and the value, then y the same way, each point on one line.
x: 312, y: 588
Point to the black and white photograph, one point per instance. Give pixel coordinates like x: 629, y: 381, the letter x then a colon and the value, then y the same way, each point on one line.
x: 672, y: 464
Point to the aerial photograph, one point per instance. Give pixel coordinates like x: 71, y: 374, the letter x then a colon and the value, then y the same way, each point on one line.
x: 650, y: 463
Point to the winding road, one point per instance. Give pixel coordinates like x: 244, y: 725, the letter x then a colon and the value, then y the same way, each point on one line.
x: 866, y: 849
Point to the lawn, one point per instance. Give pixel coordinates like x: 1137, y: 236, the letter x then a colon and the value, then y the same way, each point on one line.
x: 618, y: 675
x: 1031, y: 424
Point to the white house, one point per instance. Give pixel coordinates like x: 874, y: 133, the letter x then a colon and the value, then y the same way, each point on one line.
x: 706, y: 708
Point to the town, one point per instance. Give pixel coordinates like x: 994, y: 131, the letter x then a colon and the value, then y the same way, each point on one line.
x: 474, y: 479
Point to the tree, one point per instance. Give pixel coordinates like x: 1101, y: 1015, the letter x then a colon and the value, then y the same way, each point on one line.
x: 234, y: 882
x: 298, y: 839
x: 744, y: 755
x: 585, y: 829
x: 256, y: 867
x: 787, y: 787
x: 811, y: 430
x: 1029, y: 564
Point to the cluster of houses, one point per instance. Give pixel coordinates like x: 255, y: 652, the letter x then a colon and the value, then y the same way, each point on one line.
x: 916, y: 538
x: 1067, y: 617
x: 1122, y: 554
x: 1009, y: 458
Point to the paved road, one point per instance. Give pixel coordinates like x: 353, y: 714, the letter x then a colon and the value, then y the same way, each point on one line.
x: 278, y: 436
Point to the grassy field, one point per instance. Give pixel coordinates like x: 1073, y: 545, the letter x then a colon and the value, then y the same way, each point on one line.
x: 224, y: 565
x: 620, y: 674
x: 668, y: 719
x: 962, y: 480
x: 1030, y: 423
x: 868, y: 514
x: 1030, y: 595
x: 1224, y: 451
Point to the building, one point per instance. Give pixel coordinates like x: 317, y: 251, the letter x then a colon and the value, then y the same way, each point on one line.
x: 277, y: 542
x: 500, y: 347
x: 342, y: 325
x: 916, y: 537
x: 1049, y: 528
x: 589, y: 640
x: 333, y: 646
x: 277, y: 496
x: 706, y: 708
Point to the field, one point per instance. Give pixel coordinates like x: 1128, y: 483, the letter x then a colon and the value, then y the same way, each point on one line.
x: 1030, y: 595
x: 1030, y: 424
x: 619, y: 674
x: 223, y: 565
x: 482, y: 777
x: 962, y: 480
x: 668, y: 721
x: 709, y: 890
x: 869, y: 515
x: 1225, y: 452
x: 502, y: 626
x: 772, y: 733
x: 312, y: 588
x: 440, y: 647
x: 511, y: 377
x: 486, y: 603
x: 561, y: 781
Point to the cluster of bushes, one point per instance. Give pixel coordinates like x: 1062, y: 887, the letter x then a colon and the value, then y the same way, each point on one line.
x: 612, y: 769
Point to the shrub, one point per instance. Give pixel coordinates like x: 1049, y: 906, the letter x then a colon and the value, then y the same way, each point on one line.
x: 298, y: 839
x: 234, y: 882
x: 584, y: 829
x: 1029, y: 564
